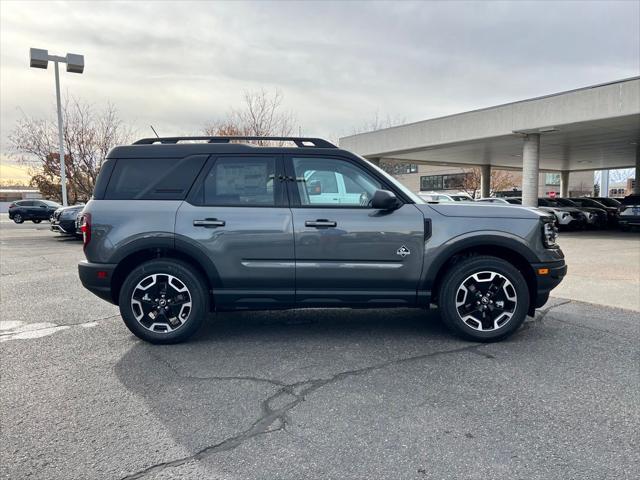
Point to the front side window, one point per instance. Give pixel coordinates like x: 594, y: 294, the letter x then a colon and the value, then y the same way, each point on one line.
x: 241, y: 181
x: 333, y: 182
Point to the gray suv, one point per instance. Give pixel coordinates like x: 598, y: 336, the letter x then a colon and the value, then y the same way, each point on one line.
x: 180, y: 227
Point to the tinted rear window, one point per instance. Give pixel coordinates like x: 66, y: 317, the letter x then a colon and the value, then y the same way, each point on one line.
x: 153, y: 179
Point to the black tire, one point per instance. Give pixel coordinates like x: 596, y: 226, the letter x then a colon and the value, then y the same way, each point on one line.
x: 36, y: 220
x: 458, y: 274
x: 18, y: 218
x: 184, y: 273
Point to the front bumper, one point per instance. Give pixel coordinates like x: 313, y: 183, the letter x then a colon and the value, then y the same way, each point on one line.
x: 547, y: 282
x: 96, y: 277
x: 66, y: 227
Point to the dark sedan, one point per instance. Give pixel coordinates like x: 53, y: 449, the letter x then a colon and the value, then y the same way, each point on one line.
x: 596, y: 217
x: 64, y: 220
x: 34, y: 210
x: 612, y: 211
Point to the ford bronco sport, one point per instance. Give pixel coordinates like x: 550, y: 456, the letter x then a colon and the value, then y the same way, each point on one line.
x: 180, y: 227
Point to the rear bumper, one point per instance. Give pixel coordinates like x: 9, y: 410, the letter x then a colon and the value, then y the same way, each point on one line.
x: 547, y: 282
x: 96, y: 277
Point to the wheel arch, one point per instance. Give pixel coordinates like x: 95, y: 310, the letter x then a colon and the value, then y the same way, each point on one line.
x: 513, y: 251
x: 178, y: 249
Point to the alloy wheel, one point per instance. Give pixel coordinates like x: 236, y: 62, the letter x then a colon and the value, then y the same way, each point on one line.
x: 486, y: 301
x: 161, y: 303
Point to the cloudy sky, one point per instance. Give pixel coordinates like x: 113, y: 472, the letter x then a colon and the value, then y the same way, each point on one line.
x: 177, y: 65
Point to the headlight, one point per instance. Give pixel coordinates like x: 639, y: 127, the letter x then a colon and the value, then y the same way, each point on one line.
x: 549, y: 233
x: 69, y: 214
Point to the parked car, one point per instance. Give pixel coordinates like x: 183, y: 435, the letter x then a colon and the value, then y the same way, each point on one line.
x: 445, y: 197
x: 435, y: 197
x: 566, y: 217
x: 79, y: 223
x: 493, y: 200
x: 612, y: 212
x: 34, y: 210
x: 63, y: 219
x: 596, y: 217
x: 607, y: 201
x: 220, y: 225
x: 629, y: 212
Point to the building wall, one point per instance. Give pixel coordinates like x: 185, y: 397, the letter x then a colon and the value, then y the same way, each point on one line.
x: 580, y: 183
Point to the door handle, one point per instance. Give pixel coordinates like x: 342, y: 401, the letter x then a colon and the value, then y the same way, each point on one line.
x: 209, y: 223
x: 321, y: 222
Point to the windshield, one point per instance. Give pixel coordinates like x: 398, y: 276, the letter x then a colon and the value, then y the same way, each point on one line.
x: 514, y: 201
x: 397, y: 184
x: 587, y: 202
x: 564, y: 202
x: 609, y: 202
x: 461, y: 198
x: 50, y: 203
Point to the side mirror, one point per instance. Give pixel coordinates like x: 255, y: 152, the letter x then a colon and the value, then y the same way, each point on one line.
x: 315, y: 187
x: 385, y: 200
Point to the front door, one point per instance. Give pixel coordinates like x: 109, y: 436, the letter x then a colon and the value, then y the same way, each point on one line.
x: 348, y: 253
x: 238, y: 215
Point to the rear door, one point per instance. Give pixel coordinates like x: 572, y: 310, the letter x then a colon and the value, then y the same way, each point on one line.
x: 348, y: 253
x: 238, y: 215
x: 27, y: 208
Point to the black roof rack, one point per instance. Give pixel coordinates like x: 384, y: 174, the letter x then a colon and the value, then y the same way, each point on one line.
x: 301, y: 142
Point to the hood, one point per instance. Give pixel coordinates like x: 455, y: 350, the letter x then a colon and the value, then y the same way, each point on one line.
x: 71, y: 207
x: 567, y: 209
x: 593, y: 209
x: 477, y: 210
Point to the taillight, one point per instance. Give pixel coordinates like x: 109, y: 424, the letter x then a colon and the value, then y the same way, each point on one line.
x: 86, y: 229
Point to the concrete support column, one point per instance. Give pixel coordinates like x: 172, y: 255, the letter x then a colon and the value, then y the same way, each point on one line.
x: 636, y: 188
x: 564, y: 183
x: 485, y: 181
x: 604, y: 183
x: 530, y: 169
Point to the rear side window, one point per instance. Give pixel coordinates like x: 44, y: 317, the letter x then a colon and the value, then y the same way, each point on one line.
x: 153, y: 179
x: 241, y: 181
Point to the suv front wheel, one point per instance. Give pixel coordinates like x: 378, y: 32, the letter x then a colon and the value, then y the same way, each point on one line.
x: 163, y: 301
x: 483, y: 298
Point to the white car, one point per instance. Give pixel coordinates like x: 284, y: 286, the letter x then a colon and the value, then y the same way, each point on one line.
x: 445, y: 197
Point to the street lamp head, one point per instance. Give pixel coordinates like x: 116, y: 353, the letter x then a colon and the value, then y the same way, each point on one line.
x: 38, y: 58
x: 75, y: 63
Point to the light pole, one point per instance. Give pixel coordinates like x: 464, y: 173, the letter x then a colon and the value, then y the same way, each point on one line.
x: 39, y: 58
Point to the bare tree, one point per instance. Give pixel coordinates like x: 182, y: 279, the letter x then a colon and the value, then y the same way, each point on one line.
x: 261, y: 115
x: 500, y: 180
x: 88, y: 136
x: 378, y: 122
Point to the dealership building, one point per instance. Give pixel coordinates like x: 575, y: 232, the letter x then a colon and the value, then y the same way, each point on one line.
x: 552, y: 144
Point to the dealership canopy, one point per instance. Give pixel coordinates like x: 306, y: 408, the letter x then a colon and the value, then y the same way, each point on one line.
x: 592, y: 128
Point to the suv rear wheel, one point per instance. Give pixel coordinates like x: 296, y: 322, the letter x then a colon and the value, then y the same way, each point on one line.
x: 483, y: 298
x: 163, y: 301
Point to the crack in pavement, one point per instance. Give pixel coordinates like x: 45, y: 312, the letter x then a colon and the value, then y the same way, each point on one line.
x: 50, y: 326
x: 542, y: 315
x: 278, y: 415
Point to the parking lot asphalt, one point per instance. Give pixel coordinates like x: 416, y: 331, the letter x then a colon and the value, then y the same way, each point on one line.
x: 363, y: 394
